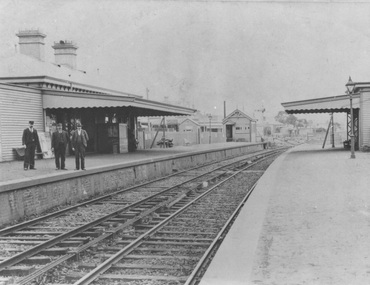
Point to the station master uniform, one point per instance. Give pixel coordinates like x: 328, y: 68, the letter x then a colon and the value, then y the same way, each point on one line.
x: 30, y: 139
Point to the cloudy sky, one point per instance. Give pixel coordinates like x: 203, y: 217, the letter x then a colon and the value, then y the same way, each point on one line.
x: 202, y: 53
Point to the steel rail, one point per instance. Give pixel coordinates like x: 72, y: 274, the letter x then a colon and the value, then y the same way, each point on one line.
x: 27, y: 253
x: 192, y: 279
x: 19, y: 257
x: 34, y: 250
x: 26, y: 224
x: 82, y: 248
x: 95, y: 273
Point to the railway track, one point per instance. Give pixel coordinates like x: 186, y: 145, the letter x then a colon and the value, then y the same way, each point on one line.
x: 126, y: 221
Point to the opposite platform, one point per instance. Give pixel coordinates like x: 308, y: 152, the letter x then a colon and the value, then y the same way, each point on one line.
x: 307, y: 222
x: 12, y: 171
x: 25, y: 194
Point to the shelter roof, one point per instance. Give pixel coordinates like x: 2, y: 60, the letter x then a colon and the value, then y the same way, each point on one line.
x: 334, y: 104
x: 62, y: 99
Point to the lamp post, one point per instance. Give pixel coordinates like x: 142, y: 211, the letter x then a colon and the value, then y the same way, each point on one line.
x: 210, y: 127
x: 351, y: 87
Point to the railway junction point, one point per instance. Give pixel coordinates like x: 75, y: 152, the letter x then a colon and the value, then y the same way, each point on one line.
x: 307, y: 222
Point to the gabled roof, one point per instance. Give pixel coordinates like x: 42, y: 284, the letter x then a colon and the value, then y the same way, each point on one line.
x: 239, y: 114
x: 190, y: 120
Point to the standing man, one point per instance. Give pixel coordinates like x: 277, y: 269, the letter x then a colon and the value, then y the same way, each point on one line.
x: 59, y: 141
x: 30, y: 139
x: 79, y: 144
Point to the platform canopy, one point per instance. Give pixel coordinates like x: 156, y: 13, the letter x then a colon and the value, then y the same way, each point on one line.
x: 60, y: 93
x: 335, y: 104
x: 142, y: 107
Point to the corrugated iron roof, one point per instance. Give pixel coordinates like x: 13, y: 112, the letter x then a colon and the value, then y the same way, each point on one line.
x: 56, y: 100
x: 335, y: 104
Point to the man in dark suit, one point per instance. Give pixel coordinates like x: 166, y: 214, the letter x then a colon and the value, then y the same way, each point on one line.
x: 79, y: 143
x: 59, y: 141
x: 30, y: 139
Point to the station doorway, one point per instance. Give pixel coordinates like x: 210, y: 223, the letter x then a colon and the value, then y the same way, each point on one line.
x: 229, y: 133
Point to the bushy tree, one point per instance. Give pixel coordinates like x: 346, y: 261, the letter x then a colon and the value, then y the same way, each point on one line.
x: 302, y: 123
x: 285, y: 118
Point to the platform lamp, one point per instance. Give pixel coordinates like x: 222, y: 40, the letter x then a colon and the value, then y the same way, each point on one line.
x: 351, y: 87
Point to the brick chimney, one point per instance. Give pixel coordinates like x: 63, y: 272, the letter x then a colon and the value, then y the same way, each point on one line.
x: 31, y: 42
x: 65, y: 53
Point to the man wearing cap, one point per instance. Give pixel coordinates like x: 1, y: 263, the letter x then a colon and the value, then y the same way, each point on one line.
x: 30, y: 139
x: 79, y: 143
x: 59, y: 141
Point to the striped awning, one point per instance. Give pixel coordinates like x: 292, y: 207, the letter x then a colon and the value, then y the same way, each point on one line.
x: 335, y: 104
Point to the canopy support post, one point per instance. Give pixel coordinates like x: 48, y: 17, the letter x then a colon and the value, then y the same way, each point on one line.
x: 327, y: 131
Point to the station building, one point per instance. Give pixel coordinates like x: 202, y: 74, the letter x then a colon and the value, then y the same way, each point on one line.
x: 240, y: 127
x: 48, y: 93
x: 195, y: 129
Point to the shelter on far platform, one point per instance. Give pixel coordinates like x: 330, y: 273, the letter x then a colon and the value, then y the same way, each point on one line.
x: 341, y: 104
x: 49, y: 93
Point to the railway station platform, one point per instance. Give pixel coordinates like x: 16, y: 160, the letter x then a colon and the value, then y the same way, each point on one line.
x: 306, y: 222
x: 26, y: 194
x: 12, y: 171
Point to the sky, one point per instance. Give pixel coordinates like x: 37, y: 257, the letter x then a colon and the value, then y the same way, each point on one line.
x: 249, y: 54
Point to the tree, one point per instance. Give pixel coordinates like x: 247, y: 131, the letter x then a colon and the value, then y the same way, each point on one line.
x: 284, y: 118
x: 302, y: 123
x: 281, y: 117
x: 291, y: 120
